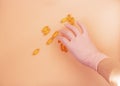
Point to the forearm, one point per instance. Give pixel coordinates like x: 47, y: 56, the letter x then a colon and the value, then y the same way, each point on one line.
x: 109, y: 68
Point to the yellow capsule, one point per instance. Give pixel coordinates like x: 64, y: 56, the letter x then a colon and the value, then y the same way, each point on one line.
x: 68, y: 19
x: 72, y: 21
x: 45, y: 30
x: 63, y: 48
x: 64, y: 20
x: 69, y: 16
x: 50, y: 40
x: 59, y: 41
x: 55, y: 34
x: 36, y: 51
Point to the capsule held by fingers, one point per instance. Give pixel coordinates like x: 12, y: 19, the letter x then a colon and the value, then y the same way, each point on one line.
x: 59, y: 41
x: 63, y: 48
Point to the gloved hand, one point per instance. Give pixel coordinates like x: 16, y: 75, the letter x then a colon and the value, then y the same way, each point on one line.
x: 80, y: 45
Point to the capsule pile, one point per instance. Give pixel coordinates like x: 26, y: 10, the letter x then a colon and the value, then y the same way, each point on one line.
x: 46, y: 30
x: 68, y: 19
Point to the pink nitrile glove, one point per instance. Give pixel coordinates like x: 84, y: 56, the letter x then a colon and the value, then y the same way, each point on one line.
x: 80, y: 45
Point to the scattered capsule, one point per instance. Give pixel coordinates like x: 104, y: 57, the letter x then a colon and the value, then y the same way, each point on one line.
x: 55, y: 34
x: 49, y: 41
x: 46, y: 30
x: 64, y: 20
x: 36, y: 51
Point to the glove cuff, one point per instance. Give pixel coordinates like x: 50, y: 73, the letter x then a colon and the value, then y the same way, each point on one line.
x: 96, y: 59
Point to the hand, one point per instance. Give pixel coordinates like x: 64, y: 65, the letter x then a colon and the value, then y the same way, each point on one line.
x: 80, y: 45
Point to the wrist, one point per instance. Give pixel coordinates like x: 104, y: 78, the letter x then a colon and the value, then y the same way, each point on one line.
x: 106, y: 67
x: 97, y: 58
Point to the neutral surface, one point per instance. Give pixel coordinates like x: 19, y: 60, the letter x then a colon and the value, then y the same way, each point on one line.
x: 21, y: 22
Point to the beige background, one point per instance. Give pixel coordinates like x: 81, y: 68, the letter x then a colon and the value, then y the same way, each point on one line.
x: 20, y: 25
